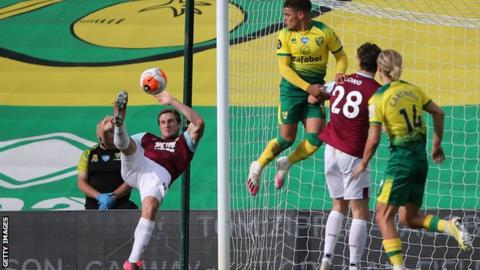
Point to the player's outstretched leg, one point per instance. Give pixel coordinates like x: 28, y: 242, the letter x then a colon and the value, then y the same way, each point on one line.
x: 253, y: 177
x: 120, y: 108
x: 283, y: 165
x: 132, y: 266
x: 120, y: 138
x: 456, y: 229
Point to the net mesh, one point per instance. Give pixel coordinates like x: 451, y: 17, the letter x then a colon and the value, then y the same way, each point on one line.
x: 283, y: 229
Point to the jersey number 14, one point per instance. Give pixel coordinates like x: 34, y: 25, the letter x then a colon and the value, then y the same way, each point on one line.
x: 417, y: 120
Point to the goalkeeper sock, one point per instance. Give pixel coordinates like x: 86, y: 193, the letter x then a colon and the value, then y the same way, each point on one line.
x: 435, y: 224
x: 274, y: 147
x: 356, y: 240
x: 303, y: 151
x: 332, y: 231
x: 393, y: 248
x: 120, y: 137
x: 142, y: 236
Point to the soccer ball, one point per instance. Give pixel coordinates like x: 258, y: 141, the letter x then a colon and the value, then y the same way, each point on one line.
x: 153, y: 81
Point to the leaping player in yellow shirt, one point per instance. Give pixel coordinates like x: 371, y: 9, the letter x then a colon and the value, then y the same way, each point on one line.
x: 303, y: 48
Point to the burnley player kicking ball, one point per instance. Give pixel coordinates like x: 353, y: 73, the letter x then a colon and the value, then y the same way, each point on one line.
x: 345, y: 136
x: 151, y: 163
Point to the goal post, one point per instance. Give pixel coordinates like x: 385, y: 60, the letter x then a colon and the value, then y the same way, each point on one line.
x: 223, y: 164
x: 284, y: 229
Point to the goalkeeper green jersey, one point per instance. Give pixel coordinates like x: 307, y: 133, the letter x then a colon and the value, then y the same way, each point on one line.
x: 309, y: 54
x: 399, y: 106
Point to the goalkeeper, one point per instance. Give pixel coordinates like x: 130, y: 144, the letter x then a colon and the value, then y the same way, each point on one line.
x: 399, y: 106
x: 302, y: 50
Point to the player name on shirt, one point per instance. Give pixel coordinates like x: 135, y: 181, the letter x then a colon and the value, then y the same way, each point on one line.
x: 399, y: 95
x: 353, y: 81
x: 165, y: 146
x: 172, y: 154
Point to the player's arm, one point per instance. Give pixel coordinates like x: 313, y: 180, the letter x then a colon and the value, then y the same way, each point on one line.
x: 335, y: 46
x: 376, y: 116
x: 438, y: 118
x: 341, y: 66
x: 374, y: 132
x: 286, y: 71
x: 196, y: 125
x: 316, y: 90
x: 284, y: 55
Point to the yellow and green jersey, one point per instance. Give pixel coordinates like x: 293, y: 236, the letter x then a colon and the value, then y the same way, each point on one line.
x: 308, y: 51
x: 399, y: 106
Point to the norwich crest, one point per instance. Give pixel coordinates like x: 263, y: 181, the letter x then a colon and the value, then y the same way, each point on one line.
x: 319, y: 41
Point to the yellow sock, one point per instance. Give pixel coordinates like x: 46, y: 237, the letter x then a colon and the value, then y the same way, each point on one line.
x: 434, y: 224
x: 393, y: 248
x: 270, y: 152
x: 303, y: 151
x: 442, y: 225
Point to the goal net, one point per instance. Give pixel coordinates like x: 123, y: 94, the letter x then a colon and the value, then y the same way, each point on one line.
x: 284, y: 229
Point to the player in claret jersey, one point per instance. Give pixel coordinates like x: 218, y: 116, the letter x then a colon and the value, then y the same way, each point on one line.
x: 345, y: 136
x: 151, y: 163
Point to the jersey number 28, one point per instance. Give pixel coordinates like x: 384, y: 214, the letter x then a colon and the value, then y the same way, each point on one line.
x: 351, y: 107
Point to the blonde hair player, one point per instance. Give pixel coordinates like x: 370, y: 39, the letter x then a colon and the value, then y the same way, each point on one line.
x: 399, y: 105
